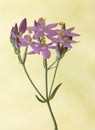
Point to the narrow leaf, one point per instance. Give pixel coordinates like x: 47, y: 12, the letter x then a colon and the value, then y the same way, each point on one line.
x: 40, y: 100
x: 54, y: 91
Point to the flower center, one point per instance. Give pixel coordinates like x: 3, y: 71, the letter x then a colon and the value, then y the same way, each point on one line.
x: 65, y: 39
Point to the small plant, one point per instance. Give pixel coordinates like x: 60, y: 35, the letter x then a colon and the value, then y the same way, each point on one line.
x: 43, y: 38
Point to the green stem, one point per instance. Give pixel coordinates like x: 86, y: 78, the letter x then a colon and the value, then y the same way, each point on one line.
x: 52, y: 64
x: 53, y: 78
x: 47, y: 97
x: 24, y: 67
x: 32, y: 82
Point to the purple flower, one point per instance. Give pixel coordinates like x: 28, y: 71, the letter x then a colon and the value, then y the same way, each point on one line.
x: 44, y: 37
x: 42, y: 48
x: 17, y: 32
x: 64, y: 37
x: 40, y: 28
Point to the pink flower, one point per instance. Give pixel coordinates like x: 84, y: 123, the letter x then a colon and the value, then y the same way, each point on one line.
x: 40, y: 28
x: 43, y: 37
x: 42, y: 48
x: 17, y: 32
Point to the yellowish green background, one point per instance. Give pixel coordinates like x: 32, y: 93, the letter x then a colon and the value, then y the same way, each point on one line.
x: 74, y: 104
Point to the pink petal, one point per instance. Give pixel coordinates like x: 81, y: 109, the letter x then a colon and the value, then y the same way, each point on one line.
x: 23, y: 24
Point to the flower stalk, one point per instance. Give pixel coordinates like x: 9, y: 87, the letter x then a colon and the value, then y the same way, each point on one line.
x: 24, y: 67
x: 54, y: 77
x: 23, y: 61
x: 47, y: 96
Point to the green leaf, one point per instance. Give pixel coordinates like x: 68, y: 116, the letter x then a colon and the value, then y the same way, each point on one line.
x: 54, y: 91
x: 40, y: 100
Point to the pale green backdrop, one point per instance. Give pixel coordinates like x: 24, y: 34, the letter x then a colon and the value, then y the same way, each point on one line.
x: 74, y: 104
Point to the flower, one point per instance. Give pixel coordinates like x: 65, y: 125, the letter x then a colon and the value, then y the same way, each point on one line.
x: 17, y: 32
x: 43, y: 37
x: 40, y: 28
x: 41, y: 48
x: 64, y: 37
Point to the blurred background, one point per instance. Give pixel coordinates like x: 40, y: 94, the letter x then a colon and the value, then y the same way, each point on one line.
x: 74, y: 103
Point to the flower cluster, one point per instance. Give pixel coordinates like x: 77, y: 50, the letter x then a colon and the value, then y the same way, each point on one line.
x: 42, y: 37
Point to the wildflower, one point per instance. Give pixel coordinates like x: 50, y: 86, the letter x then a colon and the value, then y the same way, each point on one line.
x: 42, y: 48
x: 64, y: 37
x: 40, y: 28
x: 17, y: 32
x: 43, y: 37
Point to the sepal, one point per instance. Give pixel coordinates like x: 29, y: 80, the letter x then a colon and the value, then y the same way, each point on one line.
x: 25, y: 54
x: 20, y: 59
x: 16, y: 48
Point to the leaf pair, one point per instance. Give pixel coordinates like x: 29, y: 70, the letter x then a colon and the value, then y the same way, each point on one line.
x: 51, y: 96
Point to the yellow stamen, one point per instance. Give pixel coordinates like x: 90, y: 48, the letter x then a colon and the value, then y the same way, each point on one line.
x: 65, y: 39
x: 61, y: 23
x: 61, y: 32
x: 43, y: 39
x: 41, y: 19
x: 29, y: 39
x: 43, y: 27
x: 29, y: 31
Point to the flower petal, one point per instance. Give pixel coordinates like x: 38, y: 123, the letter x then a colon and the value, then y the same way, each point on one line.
x: 51, y: 32
x: 50, y: 26
x: 72, y: 34
x: 36, y: 47
x: 38, y: 34
x: 53, y: 39
x: 68, y: 45
x: 70, y: 29
x: 31, y: 52
x: 23, y: 41
x: 23, y: 25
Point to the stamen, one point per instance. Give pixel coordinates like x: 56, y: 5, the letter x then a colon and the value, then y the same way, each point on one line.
x: 61, y: 32
x: 43, y: 39
x: 29, y: 31
x: 29, y: 39
x: 61, y: 23
x: 41, y: 19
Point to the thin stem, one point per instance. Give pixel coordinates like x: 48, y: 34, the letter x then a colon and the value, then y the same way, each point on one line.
x: 24, y: 67
x: 32, y: 82
x: 47, y: 98
x: 52, y: 64
x: 53, y: 77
